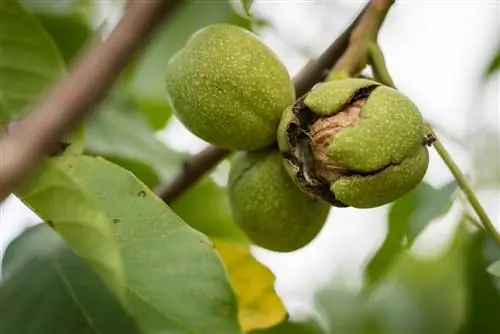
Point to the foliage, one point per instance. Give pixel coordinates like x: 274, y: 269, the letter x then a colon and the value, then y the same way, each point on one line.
x: 111, y: 257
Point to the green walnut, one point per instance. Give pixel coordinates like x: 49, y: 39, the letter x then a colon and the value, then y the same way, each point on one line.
x: 228, y: 88
x: 268, y: 206
x: 354, y: 142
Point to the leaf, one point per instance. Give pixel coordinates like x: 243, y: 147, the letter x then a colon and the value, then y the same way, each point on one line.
x: 494, y: 269
x: 174, y: 279
x: 30, y: 60
x: 408, y: 217
x: 212, y: 215
x: 258, y: 304
x: 70, y: 32
x: 59, y: 198
x: 148, y: 83
x: 66, y: 296
x: 483, y: 289
x: 122, y: 135
x: 417, y: 296
x: 494, y: 65
x: 289, y: 327
x: 485, y: 143
x: 247, y: 4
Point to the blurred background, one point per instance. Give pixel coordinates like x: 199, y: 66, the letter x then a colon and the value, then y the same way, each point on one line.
x: 438, y: 53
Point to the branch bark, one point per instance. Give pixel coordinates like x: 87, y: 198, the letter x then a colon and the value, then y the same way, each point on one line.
x: 199, y: 164
x: 59, y: 111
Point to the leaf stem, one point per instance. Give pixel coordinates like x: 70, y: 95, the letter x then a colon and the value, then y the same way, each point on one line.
x: 377, y: 61
x: 466, y: 188
x: 381, y: 72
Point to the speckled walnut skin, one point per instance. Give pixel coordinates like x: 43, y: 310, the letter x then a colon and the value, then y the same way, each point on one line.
x: 354, y: 142
x: 228, y: 88
x: 268, y: 206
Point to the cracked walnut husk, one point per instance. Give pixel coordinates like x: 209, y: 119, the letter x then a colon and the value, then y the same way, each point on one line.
x: 354, y: 142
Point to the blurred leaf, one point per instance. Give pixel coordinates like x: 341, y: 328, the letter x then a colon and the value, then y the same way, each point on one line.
x: 148, y: 85
x: 49, y: 289
x: 30, y: 60
x: 174, y: 279
x: 122, y: 135
x: 418, y: 296
x: 61, y: 7
x: 343, y: 311
x: 247, y: 4
x: 206, y: 208
x: 258, y: 304
x: 408, y: 217
x: 425, y: 295
x: 494, y: 64
x: 483, y: 289
x: 70, y: 32
x: 289, y: 327
x: 485, y: 143
x: 494, y: 269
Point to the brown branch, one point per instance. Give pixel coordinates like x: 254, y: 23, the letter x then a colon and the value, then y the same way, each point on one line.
x: 199, y: 164
x: 363, y: 35
x: 194, y: 168
x: 75, y: 95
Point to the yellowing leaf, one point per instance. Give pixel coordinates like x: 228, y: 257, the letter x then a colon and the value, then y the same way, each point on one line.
x: 259, y: 306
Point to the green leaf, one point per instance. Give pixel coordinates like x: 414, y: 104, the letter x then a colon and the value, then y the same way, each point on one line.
x: 291, y: 327
x: 483, y: 289
x: 70, y: 32
x: 56, y: 196
x: 212, y: 215
x: 247, y: 4
x: 485, y: 143
x: 431, y: 203
x: 494, y: 269
x: 148, y: 83
x: 408, y: 217
x: 418, y: 296
x: 122, y: 135
x: 49, y: 289
x: 29, y: 63
x: 174, y: 279
x: 494, y: 64
x: 61, y: 7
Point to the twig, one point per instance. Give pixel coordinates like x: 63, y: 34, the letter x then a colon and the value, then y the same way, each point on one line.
x: 76, y: 94
x: 363, y: 36
x: 377, y: 60
x: 312, y: 73
x: 194, y: 168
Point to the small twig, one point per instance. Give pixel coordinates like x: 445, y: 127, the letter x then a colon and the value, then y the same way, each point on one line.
x: 311, y: 74
x: 76, y: 94
x: 377, y: 61
x: 194, y: 168
x: 355, y: 58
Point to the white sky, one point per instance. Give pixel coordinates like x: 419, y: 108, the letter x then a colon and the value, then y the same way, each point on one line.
x: 436, y: 52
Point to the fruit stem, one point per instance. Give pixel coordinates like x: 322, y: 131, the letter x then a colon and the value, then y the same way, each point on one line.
x: 366, y: 33
x: 378, y: 65
x: 466, y: 188
x: 382, y: 74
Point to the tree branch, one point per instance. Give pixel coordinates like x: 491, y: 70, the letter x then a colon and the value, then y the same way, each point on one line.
x: 59, y: 111
x: 356, y: 57
x: 316, y: 71
x: 194, y: 168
